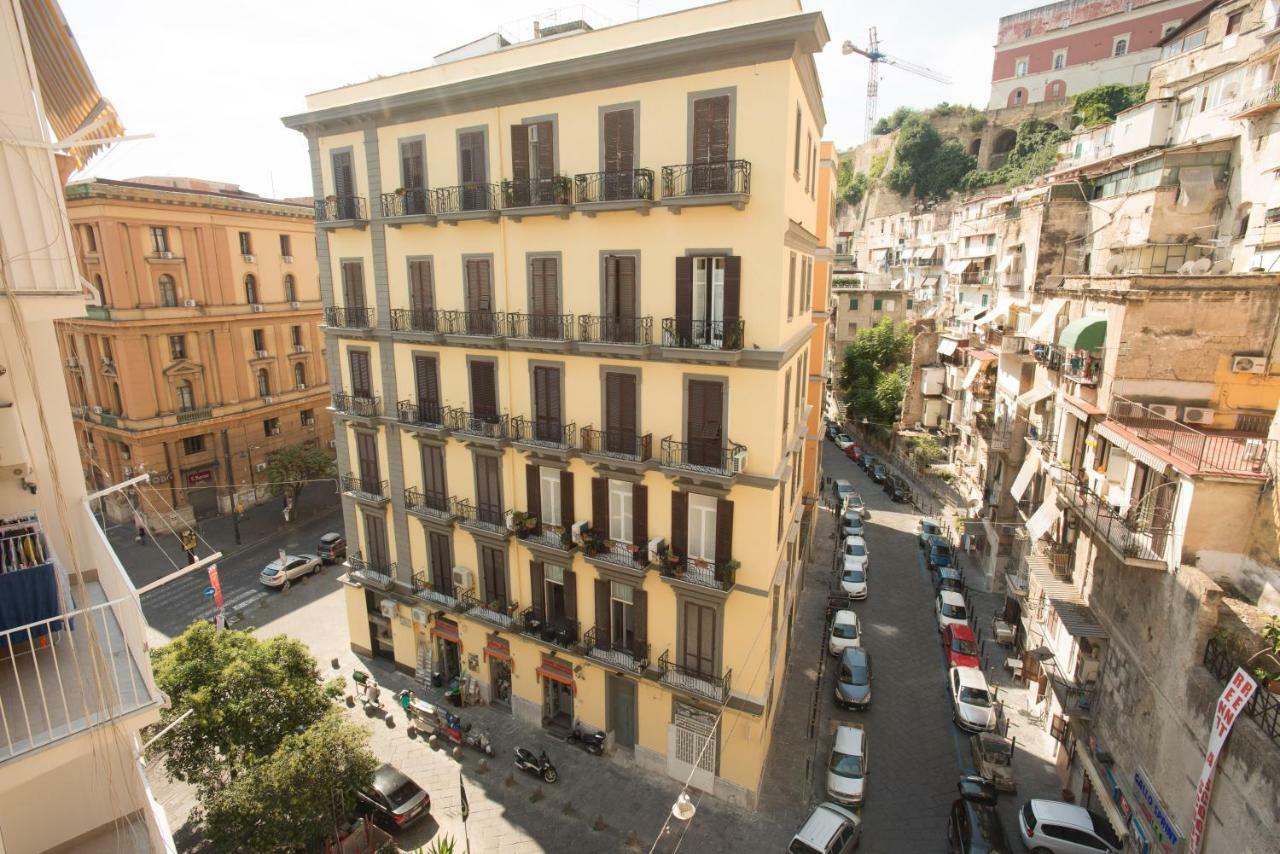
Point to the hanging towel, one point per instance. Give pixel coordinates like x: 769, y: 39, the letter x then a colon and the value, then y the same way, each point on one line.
x: 29, y: 596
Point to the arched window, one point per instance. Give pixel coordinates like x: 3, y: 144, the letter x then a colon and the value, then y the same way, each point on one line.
x: 1121, y: 48
x: 168, y: 291
x: 186, y: 396
x: 290, y: 292
x: 264, y: 383
x: 300, y: 375
x: 1017, y: 96
x: 250, y: 289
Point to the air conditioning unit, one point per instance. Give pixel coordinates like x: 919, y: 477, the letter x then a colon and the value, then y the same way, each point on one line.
x: 295, y: 305
x: 657, y: 546
x: 387, y: 607
x: 740, y: 460
x: 302, y: 386
x: 299, y: 348
x: 1163, y: 409
x: 97, y: 410
x: 462, y: 579
x: 420, y: 616
x: 575, y: 532
x: 249, y: 259
x: 1248, y: 364
x: 257, y: 306
x: 261, y: 354
x: 190, y: 303
x: 288, y: 259
x: 1196, y: 415
x: 166, y: 254
x: 259, y: 467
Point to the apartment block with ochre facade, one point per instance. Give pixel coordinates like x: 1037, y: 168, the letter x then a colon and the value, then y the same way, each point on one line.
x: 568, y: 290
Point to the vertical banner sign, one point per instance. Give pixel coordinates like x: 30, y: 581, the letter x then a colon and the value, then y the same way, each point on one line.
x: 1230, y: 704
x: 216, y: 585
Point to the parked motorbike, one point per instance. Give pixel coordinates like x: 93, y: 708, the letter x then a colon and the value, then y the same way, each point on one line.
x: 592, y: 742
x: 538, y: 766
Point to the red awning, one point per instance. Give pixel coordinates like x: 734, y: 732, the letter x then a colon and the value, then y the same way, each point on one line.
x: 446, y: 630
x: 982, y: 355
x: 557, y: 671
x: 498, y: 648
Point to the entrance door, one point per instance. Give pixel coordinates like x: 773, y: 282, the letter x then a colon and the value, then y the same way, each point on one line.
x: 622, y: 710
x: 201, y: 494
x: 704, y: 429
x: 500, y: 682
x: 557, y: 704
x: 450, y: 662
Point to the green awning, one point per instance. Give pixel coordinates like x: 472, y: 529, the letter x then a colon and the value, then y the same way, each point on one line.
x: 1086, y: 333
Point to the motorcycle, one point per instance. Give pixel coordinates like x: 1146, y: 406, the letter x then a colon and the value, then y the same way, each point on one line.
x: 592, y: 742
x: 538, y: 766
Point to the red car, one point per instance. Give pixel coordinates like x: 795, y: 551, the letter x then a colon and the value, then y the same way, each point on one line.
x: 853, y: 452
x: 961, y: 646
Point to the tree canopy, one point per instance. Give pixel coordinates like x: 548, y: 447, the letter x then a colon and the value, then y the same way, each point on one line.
x: 289, y: 468
x: 924, y: 165
x: 1034, y: 153
x: 850, y: 186
x: 873, y: 377
x: 1101, y: 103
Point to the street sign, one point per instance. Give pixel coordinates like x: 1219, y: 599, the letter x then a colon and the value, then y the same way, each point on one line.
x: 208, y: 591
x: 216, y: 585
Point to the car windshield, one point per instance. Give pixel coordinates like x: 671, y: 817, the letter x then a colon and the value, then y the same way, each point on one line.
x: 846, y: 765
x: 855, y: 675
x: 953, y: 611
x: 271, y: 570
x: 854, y: 576
x: 845, y: 631
x: 402, y: 794
x: 964, y: 646
x: 942, y: 558
x: 852, y: 520
x: 855, y: 549
x: 975, y: 697
x: 930, y: 529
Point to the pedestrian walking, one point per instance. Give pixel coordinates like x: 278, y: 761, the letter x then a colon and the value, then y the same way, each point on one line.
x: 189, y: 545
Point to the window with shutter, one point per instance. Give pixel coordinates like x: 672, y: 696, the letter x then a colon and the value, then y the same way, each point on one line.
x: 549, y: 496
x: 702, y: 527
x: 413, y: 174
x: 488, y: 490
x: 786, y: 408
x: 344, y: 184
x: 700, y: 638
x: 493, y: 568
x: 542, y: 162
x: 367, y: 462
x: 544, y: 297
x: 440, y: 559
x: 352, y: 284
x: 422, y: 299
x: 680, y: 523
x: 795, y: 160
x: 619, y: 154
x: 484, y: 390
x: 361, y: 376
x: 427, y: 385
x: 433, y: 480
x: 620, y: 298
x: 791, y: 288
x: 704, y: 429
x: 640, y: 514
x: 603, y: 632
x: 546, y: 404
x: 684, y: 301
x: 620, y: 425
x: 375, y: 542
x: 620, y: 511
x: 479, y: 296
x: 473, y: 170
x: 710, y: 145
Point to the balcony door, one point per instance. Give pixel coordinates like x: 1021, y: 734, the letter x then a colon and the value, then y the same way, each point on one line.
x: 361, y: 375
x: 353, y: 284
x: 699, y: 639
x: 473, y: 171
x: 533, y: 163
x: 422, y: 297
x: 547, y: 418
x: 433, y: 480
x: 544, y: 297
x: 618, y: 145
x: 440, y: 558
x: 479, y: 296
x: 375, y: 542
x: 620, y: 298
x: 484, y: 391
x: 344, y: 184
x: 367, y: 461
x: 621, y: 429
x: 427, y: 385
x: 710, y: 161
x: 493, y: 576
x: 704, y: 425
x: 413, y: 176
x: 488, y: 490
x: 708, y: 293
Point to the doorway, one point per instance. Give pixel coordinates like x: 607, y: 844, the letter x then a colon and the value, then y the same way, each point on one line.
x: 500, y: 682
x: 449, y: 658
x: 621, y: 694
x: 557, y: 705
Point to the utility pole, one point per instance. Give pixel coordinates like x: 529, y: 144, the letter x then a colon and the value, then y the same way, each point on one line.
x: 231, y: 483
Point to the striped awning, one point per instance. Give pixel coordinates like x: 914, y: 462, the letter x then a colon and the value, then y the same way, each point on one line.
x: 557, y: 670
x: 498, y: 648
x: 1030, y: 465
x: 1035, y: 395
x: 1118, y: 436
x: 446, y: 629
x: 68, y: 93
x: 1042, y: 328
x: 1042, y: 520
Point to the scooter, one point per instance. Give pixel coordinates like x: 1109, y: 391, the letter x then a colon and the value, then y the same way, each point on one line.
x: 538, y: 766
x: 592, y: 742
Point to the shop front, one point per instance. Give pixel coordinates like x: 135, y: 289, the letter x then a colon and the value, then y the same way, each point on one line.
x: 497, y: 651
x: 1128, y: 799
x: 448, y: 649
x: 556, y: 676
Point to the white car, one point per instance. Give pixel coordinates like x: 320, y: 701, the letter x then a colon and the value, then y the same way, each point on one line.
x: 950, y: 609
x: 851, y: 524
x: 856, y: 553
x: 1062, y: 828
x: 843, y: 490
x: 853, y: 581
x: 846, y: 632
x: 972, y: 705
x: 927, y: 529
x: 843, y: 441
x: 275, y: 574
x: 847, y: 767
x: 853, y: 503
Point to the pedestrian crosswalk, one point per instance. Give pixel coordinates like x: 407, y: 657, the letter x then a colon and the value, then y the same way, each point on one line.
x: 182, y: 602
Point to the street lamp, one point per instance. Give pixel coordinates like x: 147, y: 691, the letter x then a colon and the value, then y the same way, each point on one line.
x: 683, y: 808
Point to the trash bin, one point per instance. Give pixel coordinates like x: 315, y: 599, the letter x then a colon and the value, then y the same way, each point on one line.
x: 437, y: 679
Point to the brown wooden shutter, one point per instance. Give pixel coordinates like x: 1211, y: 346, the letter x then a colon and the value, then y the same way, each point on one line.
x: 375, y: 538
x: 640, y: 616
x: 724, y: 530
x: 600, y: 506
x: 603, y: 616
x: 520, y: 152
x: 705, y: 411
x: 545, y: 150
x: 471, y: 163
x: 479, y: 285
x: 433, y: 480
x: 640, y: 515
x: 533, y: 485
x: 484, y: 392
x: 619, y: 141
x: 566, y: 498
x: 367, y: 458
x: 353, y: 284
x: 537, y: 587
x: 412, y: 173
x: 343, y: 185
x: 361, y: 378
x: 680, y: 523
x: 732, y: 288
x: 427, y: 385
x: 497, y: 562
x: 684, y: 297
x: 488, y: 490
x: 570, y: 594
x: 786, y: 408
x: 421, y: 286
x: 711, y: 129
x: 441, y: 560
x: 546, y: 402
x: 544, y: 274
x: 791, y: 290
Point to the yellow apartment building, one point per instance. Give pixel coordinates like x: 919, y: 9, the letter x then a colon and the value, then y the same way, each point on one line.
x: 203, y: 354
x: 568, y: 301
x: 820, y: 315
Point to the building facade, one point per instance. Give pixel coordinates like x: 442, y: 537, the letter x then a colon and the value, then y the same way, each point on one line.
x: 563, y: 280
x: 205, y: 354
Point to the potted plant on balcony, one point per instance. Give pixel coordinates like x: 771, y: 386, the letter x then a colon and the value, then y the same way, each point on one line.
x: 330, y: 198
x: 1269, y: 672
x: 399, y: 191
x: 561, y: 186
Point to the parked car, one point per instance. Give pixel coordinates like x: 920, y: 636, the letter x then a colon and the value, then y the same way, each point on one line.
x: 843, y: 489
x: 853, y: 452
x: 949, y: 578
x: 950, y: 609
x: 843, y: 441
x: 847, y: 767
x: 974, y: 826
x: 853, y: 679
x: 829, y: 829
x: 282, y: 573
x: 940, y: 554
x: 833, y: 430
x: 851, y: 524
x: 900, y: 492
x: 395, y: 801
x: 1056, y: 827
x: 332, y: 548
x: 961, y: 646
x: 972, y: 706
x: 856, y: 553
x: 926, y: 530
x: 846, y: 632
x: 879, y: 473
x: 855, y: 504
x: 853, y: 581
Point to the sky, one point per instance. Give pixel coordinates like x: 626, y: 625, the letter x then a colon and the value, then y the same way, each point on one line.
x: 211, y: 79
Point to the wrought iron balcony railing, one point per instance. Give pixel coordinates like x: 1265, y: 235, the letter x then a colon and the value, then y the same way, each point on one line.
x: 339, y: 317
x: 692, y: 680
x: 477, y: 424
x: 430, y: 503
x: 1234, y: 452
x: 598, y: 329
x: 551, y: 327
x: 1135, y: 534
x: 544, y: 431
x: 367, y: 488
x: 485, y: 517
x: 702, y: 179
x: 711, y: 457
x: 1263, y: 707
x: 424, y: 414
x: 550, y: 536
x: 415, y: 201
x: 529, y: 192
x: 416, y: 320
x: 633, y: 185
x: 474, y: 323
x: 187, y: 416
x: 444, y: 597
x: 557, y: 631
x: 359, y: 405
x: 464, y: 198
x: 380, y: 575
x: 625, y: 655
x: 628, y: 555
x: 717, y: 575
x: 703, y: 334
x: 495, y: 612
x: 341, y: 209
x: 625, y: 444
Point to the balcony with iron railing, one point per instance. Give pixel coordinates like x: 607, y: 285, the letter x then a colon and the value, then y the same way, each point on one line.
x: 420, y: 414
x: 489, y: 324
x: 599, y: 329
x: 544, y: 432
x: 720, y: 182
x: 338, y: 317
x: 548, y: 536
x: 190, y: 416
x: 432, y: 504
x: 518, y: 194
x: 689, y: 334
x: 622, y: 189
x: 340, y: 211
x: 378, y: 575
x: 466, y: 201
x: 545, y: 327
x: 481, y: 425
x: 1140, y: 535
x: 1260, y: 102
x: 357, y: 405
x: 693, y: 681
x: 632, y: 556
x: 428, y: 592
x: 1234, y: 453
x: 629, y: 655
x: 496, y: 612
x: 413, y: 203
x: 620, y: 444
x: 560, y: 631
x: 704, y: 457
x: 366, y: 489
x: 485, y: 518
x: 417, y: 320
x: 1263, y: 707
x: 712, y: 574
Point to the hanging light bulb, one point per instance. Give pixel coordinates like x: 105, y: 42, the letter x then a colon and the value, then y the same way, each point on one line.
x: 683, y: 808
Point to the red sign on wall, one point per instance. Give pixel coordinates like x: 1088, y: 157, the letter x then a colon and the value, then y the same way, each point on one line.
x: 198, y: 477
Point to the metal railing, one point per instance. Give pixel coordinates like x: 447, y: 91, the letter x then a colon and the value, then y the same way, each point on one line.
x: 717, y: 575
x: 375, y: 490
x: 430, y: 414
x: 632, y: 656
x: 551, y: 327
x: 430, y: 503
x: 528, y: 192
x: 495, y: 612
x: 424, y: 589
x: 692, y: 680
x: 1228, y: 453
x: 625, y: 444
x: 381, y: 575
x: 633, y: 185
x: 727, y: 459
x: 474, y: 322
x: 1270, y: 96
x: 630, y: 555
x: 1133, y: 534
x: 561, y: 631
x: 341, y: 209
x: 188, y: 416
x: 414, y: 201
x: 702, y: 179
x: 1263, y: 707
x: 544, y: 431
x: 703, y: 334
x: 550, y: 536
x: 600, y: 329
x: 349, y: 318
x: 464, y: 197
x: 416, y: 320
x: 364, y: 407
x: 473, y: 424
x: 485, y: 517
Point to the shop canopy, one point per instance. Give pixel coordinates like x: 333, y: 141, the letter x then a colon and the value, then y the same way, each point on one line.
x: 1085, y: 333
x: 958, y: 266
x: 1037, y: 394
x: 1042, y: 329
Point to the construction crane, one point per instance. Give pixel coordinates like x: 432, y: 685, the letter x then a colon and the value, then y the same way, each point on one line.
x: 873, y: 53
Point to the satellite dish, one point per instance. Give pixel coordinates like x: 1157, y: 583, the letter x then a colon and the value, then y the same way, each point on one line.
x: 1202, y: 265
x: 1221, y: 267
x: 1185, y: 269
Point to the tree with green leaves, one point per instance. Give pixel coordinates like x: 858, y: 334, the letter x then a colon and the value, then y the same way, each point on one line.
x: 924, y: 451
x: 1101, y: 103
x: 924, y: 165
x: 874, y: 373
x: 1034, y: 152
x: 851, y: 186
x: 290, y: 468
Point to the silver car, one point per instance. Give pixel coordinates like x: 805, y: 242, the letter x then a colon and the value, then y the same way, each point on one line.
x: 282, y: 573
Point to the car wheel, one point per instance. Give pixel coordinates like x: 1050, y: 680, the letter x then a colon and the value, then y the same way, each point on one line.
x: 316, y: 569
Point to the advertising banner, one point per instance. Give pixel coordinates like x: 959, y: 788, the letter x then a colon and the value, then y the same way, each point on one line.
x: 1230, y: 704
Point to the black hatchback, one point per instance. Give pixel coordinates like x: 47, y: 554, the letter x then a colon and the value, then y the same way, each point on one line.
x: 332, y: 548
x: 394, y: 801
x: 973, y: 826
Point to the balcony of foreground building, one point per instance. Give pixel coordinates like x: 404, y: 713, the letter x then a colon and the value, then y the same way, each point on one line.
x: 551, y: 196
x: 1263, y: 707
x: 465, y: 202
x: 686, y: 333
x: 489, y: 519
x: 1139, y: 537
x: 718, y: 575
x: 704, y: 457
x: 1194, y: 452
x: 430, y: 504
x: 370, y: 573
x: 426, y: 321
x: 339, y: 317
x: 617, y: 444
x: 474, y: 324
x: 692, y: 680
x: 408, y: 206
x: 613, y: 191
x: 366, y: 489
x: 342, y: 212
x: 544, y: 535
x: 357, y: 406
x: 496, y: 612
x: 540, y: 327
x: 616, y: 553
x: 560, y: 632
x: 723, y: 182
x: 629, y: 655
x: 191, y: 416
x: 439, y: 596
x: 427, y: 415
x: 628, y: 331
x: 491, y: 428
x: 544, y: 433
